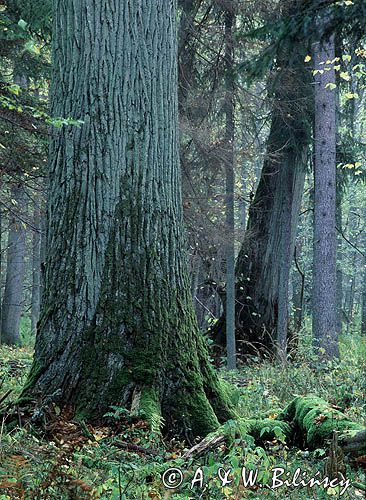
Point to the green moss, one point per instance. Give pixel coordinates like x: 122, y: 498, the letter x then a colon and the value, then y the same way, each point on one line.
x: 144, y: 365
x: 149, y: 408
x: 35, y: 371
x: 317, y: 420
x: 230, y: 393
x: 197, y: 413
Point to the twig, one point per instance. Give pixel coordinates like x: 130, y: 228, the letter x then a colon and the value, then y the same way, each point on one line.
x: 135, y: 447
x: 349, y: 242
x: 5, y: 395
x: 206, y: 444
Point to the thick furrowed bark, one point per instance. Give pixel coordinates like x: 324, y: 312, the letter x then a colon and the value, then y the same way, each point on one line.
x: 117, y: 325
x: 262, y: 277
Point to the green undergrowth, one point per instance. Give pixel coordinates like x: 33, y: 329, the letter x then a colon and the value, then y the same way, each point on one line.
x: 266, y: 387
x: 125, y: 460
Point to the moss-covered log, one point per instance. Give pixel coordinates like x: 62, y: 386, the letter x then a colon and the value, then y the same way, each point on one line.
x: 316, y: 421
x: 308, y: 421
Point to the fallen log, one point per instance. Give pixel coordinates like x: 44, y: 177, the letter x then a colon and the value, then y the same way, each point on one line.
x: 311, y: 417
x: 355, y: 443
x: 210, y: 442
x: 317, y: 421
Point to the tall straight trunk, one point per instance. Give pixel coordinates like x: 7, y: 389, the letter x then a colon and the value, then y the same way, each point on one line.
x: 12, y: 303
x: 288, y: 214
x: 262, y: 267
x: 2, y: 251
x: 117, y: 325
x: 1, y: 266
x: 186, y: 51
x: 325, y: 245
x: 229, y: 195
x: 339, y: 291
x: 363, y: 310
x: 299, y: 291
x: 36, y: 267
x: 351, y: 295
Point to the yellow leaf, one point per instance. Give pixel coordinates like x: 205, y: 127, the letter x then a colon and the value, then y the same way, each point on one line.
x: 307, y: 59
x: 345, y: 76
x: 227, y: 491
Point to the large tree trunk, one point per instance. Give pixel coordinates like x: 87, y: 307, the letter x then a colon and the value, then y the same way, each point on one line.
x: 263, y: 263
x: 325, y: 245
x: 229, y: 189
x: 117, y: 325
x: 12, y: 304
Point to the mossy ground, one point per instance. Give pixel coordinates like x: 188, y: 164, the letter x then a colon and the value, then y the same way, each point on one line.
x: 69, y: 463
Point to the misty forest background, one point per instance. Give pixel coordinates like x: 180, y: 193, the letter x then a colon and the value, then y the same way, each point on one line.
x: 182, y: 245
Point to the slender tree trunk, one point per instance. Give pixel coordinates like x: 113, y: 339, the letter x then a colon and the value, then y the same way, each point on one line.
x: 363, y: 310
x: 268, y: 234
x: 36, y: 267
x: 285, y: 256
x: 117, y: 325
x: 339, y: 292
x: 325, y: 276
x: 12, y: 304
x: 186, y: 51
x: 299, y: 286
x: 1, y: 268
x: 230, y: 186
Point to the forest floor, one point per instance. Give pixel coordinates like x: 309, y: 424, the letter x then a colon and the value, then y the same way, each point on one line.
x: 124, y: 460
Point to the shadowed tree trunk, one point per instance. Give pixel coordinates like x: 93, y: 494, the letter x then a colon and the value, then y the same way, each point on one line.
x: 363, y: 310
x: 230, y: 186
x: 117, y: 325
x: 299, y: 287
x: 325, y: 244
x: 186, y: 51
x: 263, y: 263
x: 36, y: 267
x: 12, y: 304
x: 1, y: 266
x: 339, y: 291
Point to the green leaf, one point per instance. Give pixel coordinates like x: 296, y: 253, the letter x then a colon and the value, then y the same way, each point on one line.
x: 22, y: 24
x: 263, y: 430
